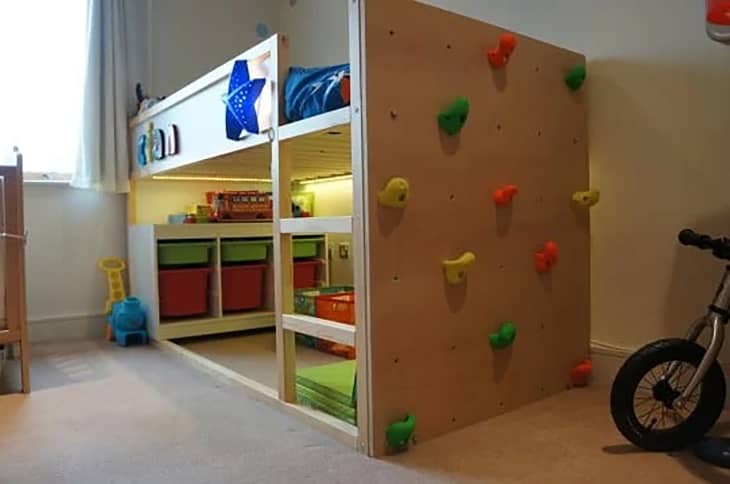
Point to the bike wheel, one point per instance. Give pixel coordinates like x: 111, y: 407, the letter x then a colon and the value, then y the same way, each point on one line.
x: 642, y: 402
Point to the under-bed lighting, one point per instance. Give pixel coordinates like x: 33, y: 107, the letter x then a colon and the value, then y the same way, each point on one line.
x: 326, y: 179
x: 211, y: 178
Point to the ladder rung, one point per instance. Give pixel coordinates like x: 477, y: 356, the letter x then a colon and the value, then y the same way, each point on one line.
x: 320, y: 328
x: 316, y: 225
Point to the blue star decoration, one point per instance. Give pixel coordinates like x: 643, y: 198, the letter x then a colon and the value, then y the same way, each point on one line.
x: 243, y: 92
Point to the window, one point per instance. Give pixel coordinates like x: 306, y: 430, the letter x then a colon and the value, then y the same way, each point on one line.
x: 42, y: 62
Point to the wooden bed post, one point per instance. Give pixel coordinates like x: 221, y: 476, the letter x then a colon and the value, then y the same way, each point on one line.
x: 13, y: 235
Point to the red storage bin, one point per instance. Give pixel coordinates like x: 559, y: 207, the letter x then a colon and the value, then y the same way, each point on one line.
x: 305, y: 274
x: 183, y: 292
x: 243, y: 287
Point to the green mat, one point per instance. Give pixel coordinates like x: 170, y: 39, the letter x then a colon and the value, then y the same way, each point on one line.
x: 335, y: 381
x: 330, y: 389
x: 312, y: 399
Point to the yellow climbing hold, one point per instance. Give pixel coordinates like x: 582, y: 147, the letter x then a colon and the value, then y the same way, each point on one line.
x: 456, y: 269
x: 396, y: 193
x: 587, y: 198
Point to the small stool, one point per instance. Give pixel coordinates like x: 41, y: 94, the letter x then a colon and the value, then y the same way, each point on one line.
x: 122, y: 337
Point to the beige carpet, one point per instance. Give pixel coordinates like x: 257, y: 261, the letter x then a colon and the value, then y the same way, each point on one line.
x: 104, y: 414
x: 253, y: 354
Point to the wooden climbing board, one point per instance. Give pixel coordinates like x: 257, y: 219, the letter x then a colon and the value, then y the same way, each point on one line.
x: 429, y: 342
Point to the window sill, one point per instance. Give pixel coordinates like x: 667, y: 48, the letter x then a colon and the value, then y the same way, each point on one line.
x: 54, y: 183
x: 53, y: 179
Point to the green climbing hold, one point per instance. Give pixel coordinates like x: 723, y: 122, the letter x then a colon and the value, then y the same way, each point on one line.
x: 575, y: 78
x: 504, y: 337
x: 399, y: 433
x: 453, y: 118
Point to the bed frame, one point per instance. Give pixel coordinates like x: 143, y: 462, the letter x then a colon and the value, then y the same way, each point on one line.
x: 12, y: 242
x: 422, y: 345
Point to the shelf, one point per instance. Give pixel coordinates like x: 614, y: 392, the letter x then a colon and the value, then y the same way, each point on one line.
x: 320, y: 328
x: 213, y: 230
x: 205, y: 326
x: 316, y: 225
x: 316, y: 124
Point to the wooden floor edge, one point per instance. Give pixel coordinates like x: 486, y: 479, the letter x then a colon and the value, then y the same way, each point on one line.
x: 341, y: 431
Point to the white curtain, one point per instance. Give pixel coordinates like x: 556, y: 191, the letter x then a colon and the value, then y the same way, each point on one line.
x: 103, y: 156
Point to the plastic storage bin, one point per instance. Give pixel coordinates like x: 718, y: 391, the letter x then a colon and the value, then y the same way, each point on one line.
x: 252, y: 250
x: 304, y: 248
x: 243, y: 287
x: 336, y: 307
x: 305, y: 274
x: 183, y: 253
x: 304, y: 301
x: 183, y: 292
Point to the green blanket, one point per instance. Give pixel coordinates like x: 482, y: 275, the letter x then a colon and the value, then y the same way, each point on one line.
x: 331, y: 407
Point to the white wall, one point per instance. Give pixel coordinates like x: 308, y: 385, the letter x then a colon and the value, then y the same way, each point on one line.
x: 317, y: 29
x: 187, y: 38
x: 68, y: 232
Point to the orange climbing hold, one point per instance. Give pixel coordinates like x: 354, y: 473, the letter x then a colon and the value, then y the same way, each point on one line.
x: 547, y: 257
x: 504, y: 195
x: 581, y: 373
x: 499, y: 56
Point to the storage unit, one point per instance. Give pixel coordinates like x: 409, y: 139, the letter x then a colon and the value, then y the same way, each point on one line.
x: 183, y: 253
x: 423, y: 313
x: 305, y: 274
x: 183, y: 292
x: 243, y: 287
x: 252, y: 250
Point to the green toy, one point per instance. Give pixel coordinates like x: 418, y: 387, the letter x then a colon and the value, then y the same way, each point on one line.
x: 452, y: 119
x: 575, y: 78
x: 399, y: 433
x: 504, y: 337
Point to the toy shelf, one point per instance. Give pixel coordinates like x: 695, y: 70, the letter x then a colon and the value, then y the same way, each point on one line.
x: 143, y: 265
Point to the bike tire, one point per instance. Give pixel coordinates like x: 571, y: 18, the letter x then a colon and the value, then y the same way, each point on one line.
x: 709, y: 404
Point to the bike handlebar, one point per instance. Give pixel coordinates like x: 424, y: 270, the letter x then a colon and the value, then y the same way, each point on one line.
x: 720, y: 247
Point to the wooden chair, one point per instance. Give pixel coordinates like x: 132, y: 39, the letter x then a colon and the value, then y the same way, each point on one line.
x: 13, y: 323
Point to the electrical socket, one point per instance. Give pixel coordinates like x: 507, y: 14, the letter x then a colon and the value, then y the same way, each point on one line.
x: 343, y: 249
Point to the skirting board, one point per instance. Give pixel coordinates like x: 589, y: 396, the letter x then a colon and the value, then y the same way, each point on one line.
x: 608, y: 359
x: 67, y: 328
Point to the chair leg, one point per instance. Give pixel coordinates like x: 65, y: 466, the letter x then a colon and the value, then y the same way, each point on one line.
x: 25, y: 365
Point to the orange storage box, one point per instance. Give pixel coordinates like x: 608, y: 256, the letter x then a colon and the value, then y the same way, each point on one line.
x: 336, y: 307
x: 183, y: 292
x: 305, y: 274
x: 243, y: 286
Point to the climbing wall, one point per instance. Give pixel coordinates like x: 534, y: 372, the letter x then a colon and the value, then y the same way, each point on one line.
x: 430, y: 340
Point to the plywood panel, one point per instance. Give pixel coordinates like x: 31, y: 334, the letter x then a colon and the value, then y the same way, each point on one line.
x: 429, y: 341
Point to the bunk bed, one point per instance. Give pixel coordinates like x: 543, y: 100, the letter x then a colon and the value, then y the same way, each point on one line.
x: 414, y: 331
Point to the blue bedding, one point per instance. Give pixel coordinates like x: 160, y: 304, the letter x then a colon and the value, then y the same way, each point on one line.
x: 310, y: 91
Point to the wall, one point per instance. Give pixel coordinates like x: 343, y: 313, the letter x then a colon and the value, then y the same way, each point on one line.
x: 318, y: 31
x: 68, y: 232
x: 658, y: 145
x: 187, y: 38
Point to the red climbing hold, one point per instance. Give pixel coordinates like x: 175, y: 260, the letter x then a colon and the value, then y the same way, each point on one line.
x: 547, y: 257
x: 580, y: 373
x: 499, y: 55
x: 718, y: 12
x: 504, y: 195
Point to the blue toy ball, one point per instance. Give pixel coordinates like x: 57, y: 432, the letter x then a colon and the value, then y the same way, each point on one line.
x: 128, y: 319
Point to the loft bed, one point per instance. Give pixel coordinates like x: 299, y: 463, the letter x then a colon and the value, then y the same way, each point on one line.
x: 422, y: 339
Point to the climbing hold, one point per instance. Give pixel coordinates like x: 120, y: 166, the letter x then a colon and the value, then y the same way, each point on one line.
x: 587, y: 198
x: 396, y: 193
x: 399, y: 433
x: 580, y: 373
x: 452, y: 119
x: 499, y: 56
x: 150, y: 145
x: 575, y: 78
x: 504, y: 336
x: 262, y: 30
x: 455, y: 269
x: 547, y: 257
x: 504, y: 195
